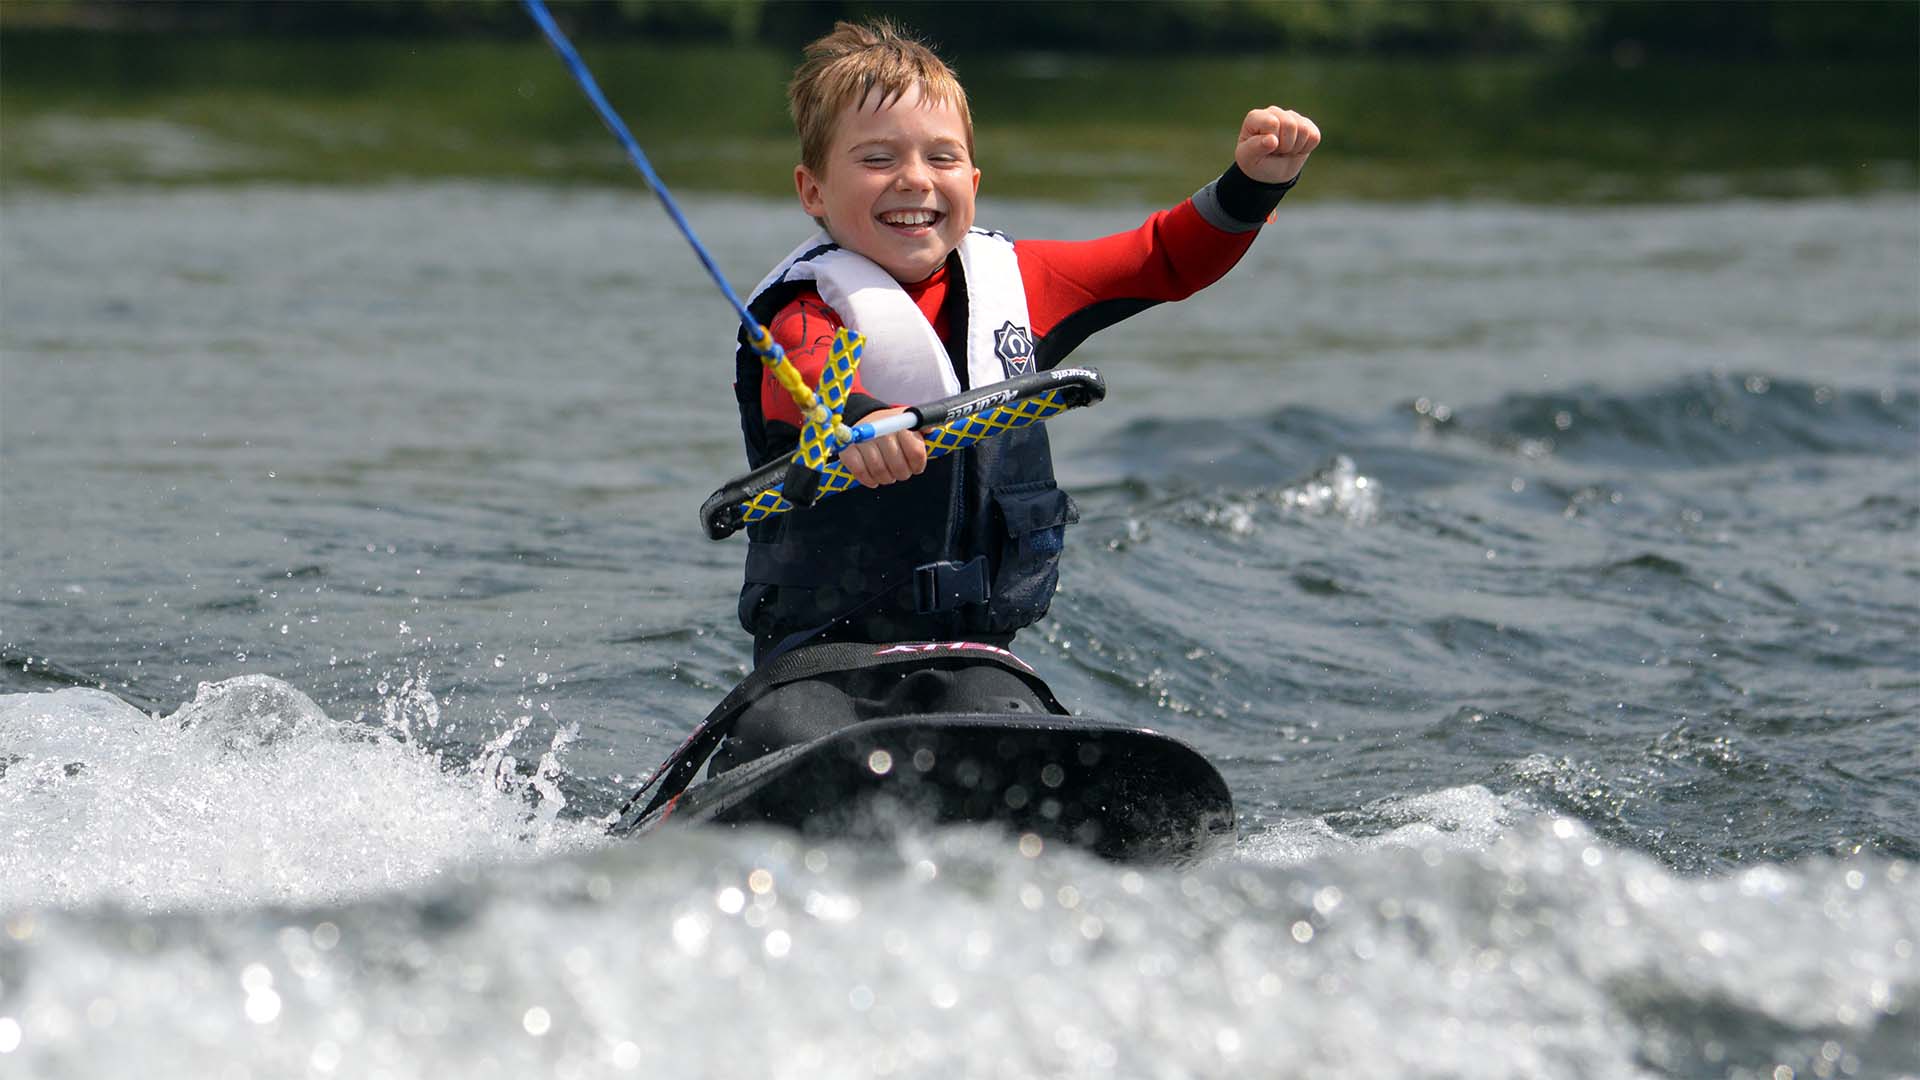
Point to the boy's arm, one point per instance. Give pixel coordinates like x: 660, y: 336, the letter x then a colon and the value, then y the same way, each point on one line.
x: 805, y: 329
x: 1272, y: 148
x: 1172, y: 255
x: 1077, y: 288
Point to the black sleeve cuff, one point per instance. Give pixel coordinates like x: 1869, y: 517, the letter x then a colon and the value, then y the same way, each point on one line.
x: 858, y: 406
x: 1237, y: 202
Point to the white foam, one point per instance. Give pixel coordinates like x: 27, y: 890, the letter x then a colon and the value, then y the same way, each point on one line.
x: 1337, y: 489
x: 248, y: 795
x: 1468, y: 818
x: 1544, y: 952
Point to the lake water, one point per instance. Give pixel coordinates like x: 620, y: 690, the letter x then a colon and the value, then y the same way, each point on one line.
x: 1543, y: 580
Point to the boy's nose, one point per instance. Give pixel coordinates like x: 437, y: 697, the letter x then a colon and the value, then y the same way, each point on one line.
x: 914, y: 175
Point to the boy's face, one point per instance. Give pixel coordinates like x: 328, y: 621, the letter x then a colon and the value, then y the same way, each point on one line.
x: 898, y: 185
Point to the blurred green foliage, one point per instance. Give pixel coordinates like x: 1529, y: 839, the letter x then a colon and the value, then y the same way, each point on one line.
x: 1541, y: 101
x: 87, y: 109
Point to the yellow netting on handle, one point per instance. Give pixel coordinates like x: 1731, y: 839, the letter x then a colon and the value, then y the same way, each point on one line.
x: 956, y: 434
x: 837, y: 376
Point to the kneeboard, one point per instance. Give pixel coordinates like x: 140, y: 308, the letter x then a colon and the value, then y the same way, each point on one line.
x: 1128, y: 794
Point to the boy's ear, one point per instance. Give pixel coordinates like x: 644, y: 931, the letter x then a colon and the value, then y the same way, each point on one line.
x: 808, y: 188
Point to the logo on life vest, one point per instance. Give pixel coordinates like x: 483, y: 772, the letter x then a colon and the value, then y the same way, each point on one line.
x: 1014, y: 346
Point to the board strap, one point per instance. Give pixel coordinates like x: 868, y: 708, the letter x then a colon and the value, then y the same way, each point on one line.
x: 809, y: 662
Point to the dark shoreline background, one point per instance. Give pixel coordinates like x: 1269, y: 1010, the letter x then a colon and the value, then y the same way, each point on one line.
x: 1845, y: 30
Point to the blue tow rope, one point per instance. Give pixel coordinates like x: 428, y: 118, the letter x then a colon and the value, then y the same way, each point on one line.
x: 538, y: 9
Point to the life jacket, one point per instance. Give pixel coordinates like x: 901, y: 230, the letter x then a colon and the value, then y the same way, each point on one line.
x: 969, y: 548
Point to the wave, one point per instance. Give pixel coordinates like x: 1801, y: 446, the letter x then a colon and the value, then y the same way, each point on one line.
x: 1473, y: 938
x: 251, y: 794
x: 1700, y: 421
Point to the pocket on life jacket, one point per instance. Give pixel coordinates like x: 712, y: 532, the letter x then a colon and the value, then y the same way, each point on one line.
x: 1035, y: 517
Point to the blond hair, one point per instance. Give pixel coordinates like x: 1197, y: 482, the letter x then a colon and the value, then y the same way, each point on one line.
x: 854, y: 61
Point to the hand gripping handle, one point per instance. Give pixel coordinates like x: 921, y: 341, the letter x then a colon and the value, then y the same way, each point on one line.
x: 952, y: 423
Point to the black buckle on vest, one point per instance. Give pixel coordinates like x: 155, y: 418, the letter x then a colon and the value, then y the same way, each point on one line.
x: 943, y: 586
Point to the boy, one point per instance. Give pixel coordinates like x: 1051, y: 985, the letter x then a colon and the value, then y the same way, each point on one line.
x: 970, y: 548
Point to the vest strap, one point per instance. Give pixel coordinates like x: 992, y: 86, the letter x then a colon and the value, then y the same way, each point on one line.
x: 944, y: 586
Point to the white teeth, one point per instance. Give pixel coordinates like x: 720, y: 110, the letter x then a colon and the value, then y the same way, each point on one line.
x: 909, y: 217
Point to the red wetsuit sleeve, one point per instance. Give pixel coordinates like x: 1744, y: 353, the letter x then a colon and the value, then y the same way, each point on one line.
x: 804, y: 328
x: 1173, y: 255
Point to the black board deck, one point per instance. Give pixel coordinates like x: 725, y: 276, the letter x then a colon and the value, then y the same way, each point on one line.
x: 1128, y: 794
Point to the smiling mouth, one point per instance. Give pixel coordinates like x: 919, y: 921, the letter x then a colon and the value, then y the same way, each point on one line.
x: 910, y: 219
